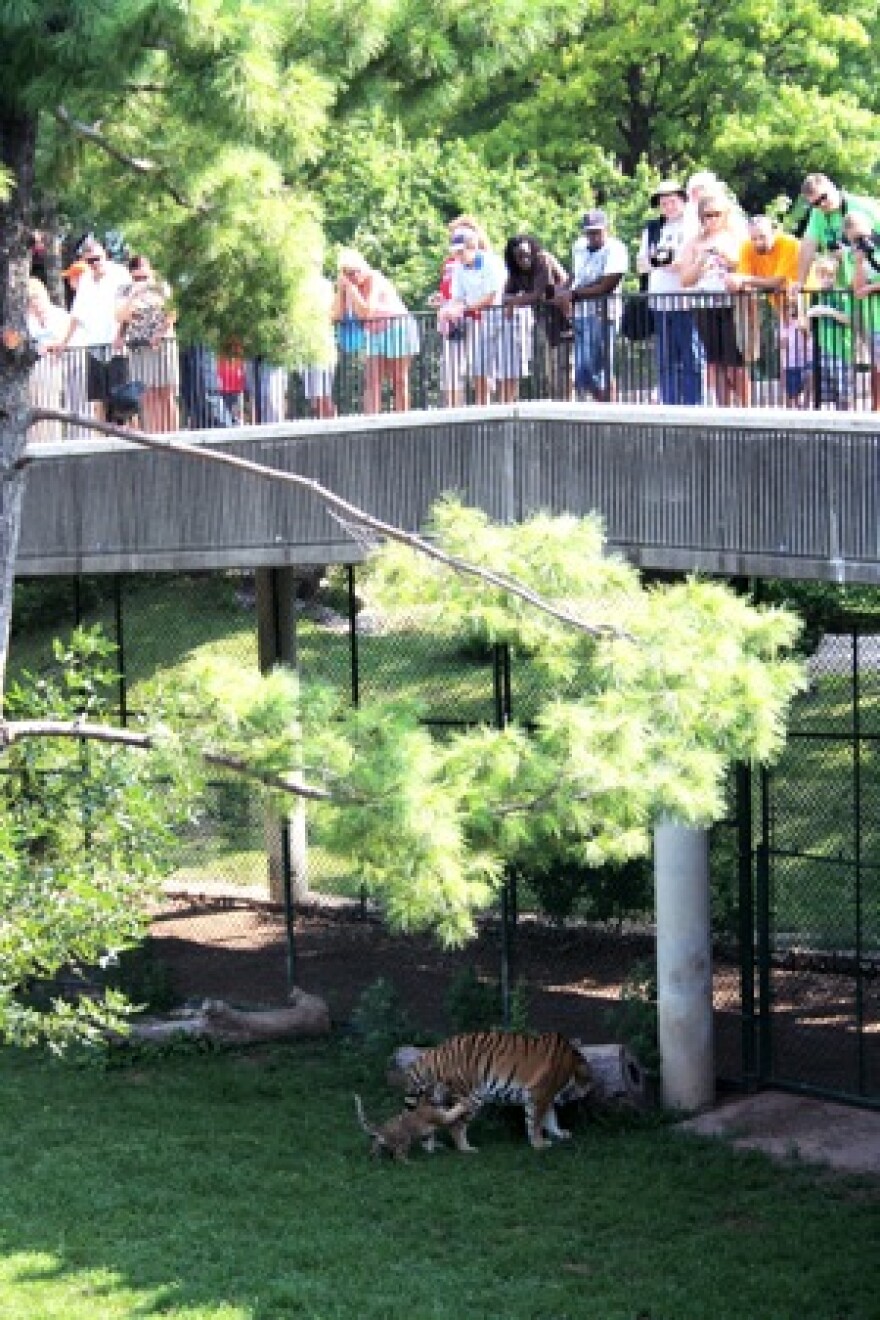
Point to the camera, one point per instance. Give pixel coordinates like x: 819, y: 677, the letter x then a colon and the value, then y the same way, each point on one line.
x: 662, y: 256
x: 868, y: 245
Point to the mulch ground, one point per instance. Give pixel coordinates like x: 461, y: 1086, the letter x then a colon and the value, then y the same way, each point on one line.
x: 573, y: 975
x: 233, y: 947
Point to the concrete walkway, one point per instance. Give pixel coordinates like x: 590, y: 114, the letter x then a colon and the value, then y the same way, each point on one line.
x: 786, y: 1126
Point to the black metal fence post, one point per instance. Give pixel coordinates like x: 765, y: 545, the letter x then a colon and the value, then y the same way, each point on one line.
x: 502, y: 698
x: 746, y: 921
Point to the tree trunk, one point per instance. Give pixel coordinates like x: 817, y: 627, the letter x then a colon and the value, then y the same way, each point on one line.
x: 305, y: 1015
x: 18, y: 139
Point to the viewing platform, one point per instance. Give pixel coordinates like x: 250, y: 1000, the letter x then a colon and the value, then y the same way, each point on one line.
x: 732, y: 492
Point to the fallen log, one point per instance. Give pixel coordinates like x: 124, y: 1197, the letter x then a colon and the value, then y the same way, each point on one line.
x: 303, y: 1016
x: 620, y: 1079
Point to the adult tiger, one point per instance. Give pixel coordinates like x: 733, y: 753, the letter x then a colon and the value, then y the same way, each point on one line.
x: 537, y: 1072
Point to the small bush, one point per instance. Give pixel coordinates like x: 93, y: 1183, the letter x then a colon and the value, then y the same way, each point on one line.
x: 141, y: 975
x: 562, y: 884
x: 379, y: 1023
x: 473, y: 1004
x: 634, y: 1020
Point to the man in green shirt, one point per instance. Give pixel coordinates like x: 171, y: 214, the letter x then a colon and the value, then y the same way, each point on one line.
x: 829, y: 207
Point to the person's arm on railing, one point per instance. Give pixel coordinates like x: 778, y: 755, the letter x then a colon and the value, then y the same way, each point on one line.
x: 601, y: 288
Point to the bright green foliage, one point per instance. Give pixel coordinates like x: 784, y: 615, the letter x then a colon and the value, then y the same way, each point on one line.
x: 85, y: 832
x: 640, y: 721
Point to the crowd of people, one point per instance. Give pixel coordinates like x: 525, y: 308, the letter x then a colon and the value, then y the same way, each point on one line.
x: 716, y: 290
x: 119, y: 315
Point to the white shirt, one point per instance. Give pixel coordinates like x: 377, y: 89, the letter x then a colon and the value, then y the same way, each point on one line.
x: 672, y: 237
x: 590, y: 265
x: 95, y: 303
x: 486, y: 276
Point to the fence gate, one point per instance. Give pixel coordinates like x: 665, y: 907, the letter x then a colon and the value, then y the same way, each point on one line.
x: 816, y: 874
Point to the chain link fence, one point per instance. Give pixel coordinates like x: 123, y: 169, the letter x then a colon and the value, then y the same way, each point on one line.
x: 795, y: 864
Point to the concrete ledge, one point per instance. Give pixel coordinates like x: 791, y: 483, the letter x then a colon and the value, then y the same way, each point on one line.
x: 797, y: 1127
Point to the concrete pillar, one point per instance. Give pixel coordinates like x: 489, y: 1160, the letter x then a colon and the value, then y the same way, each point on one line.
x: 684, y: 966
x: 276, y: 644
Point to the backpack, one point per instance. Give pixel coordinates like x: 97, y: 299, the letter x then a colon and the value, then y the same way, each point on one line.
x: 637, y: 322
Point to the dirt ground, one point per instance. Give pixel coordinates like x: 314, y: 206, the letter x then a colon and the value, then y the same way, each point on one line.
x: 220, y: 946
x: 572, y: 975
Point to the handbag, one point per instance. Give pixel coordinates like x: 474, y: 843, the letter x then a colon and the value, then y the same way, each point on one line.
x: 125, y: 400
x: 350, y: 334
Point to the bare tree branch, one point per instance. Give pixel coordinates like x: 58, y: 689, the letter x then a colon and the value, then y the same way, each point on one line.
x: 13, y: 731
x: 346, y: 512
x: 139, y: 164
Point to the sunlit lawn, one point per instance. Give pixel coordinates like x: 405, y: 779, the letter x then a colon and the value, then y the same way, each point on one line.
x: 237, y: 1187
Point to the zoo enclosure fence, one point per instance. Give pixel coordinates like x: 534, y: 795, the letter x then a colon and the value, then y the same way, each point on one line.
x: 795, y: 865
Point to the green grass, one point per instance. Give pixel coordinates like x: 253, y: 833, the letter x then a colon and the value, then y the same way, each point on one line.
x: 237, y: 1187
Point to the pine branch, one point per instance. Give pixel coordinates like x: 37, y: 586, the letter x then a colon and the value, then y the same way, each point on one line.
x: 347, y: 513
x: 139, y: 164
x: 13, y: 731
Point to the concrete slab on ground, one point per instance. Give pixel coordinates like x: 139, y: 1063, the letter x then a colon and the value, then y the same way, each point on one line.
x: 785, y: 1126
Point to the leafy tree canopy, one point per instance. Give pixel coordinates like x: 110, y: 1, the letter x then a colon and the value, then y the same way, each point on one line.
x: 641, y: 716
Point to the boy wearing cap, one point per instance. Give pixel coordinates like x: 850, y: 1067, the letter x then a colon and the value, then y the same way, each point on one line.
x: 678, y: 348
x: 599, y: 263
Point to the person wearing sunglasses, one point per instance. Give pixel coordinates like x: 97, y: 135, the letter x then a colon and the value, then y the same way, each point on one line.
x: 706, y: 262
x: 145, y: 331
x: 93, y: 319
x: 829, y: 207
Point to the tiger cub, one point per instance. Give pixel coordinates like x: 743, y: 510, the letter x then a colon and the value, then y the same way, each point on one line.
x: 396, y: 1136
x: 506, y: 1068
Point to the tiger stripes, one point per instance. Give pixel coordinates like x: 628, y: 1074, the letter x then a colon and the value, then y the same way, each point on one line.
x: 537, y: 1072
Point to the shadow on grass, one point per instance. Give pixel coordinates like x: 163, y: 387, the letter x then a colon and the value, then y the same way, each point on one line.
x: 221, y: 1186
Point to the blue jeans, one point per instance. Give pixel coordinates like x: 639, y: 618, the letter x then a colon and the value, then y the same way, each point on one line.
x: 679, y: 357
x: 594, y: 338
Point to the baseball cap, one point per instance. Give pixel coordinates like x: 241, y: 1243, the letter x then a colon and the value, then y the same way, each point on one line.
x: 594, y: 220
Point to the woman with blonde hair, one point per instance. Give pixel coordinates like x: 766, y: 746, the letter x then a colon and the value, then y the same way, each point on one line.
x: 146, y: 330
x: 47, y: 326
x: 705, y: 263
x: 390, y: 335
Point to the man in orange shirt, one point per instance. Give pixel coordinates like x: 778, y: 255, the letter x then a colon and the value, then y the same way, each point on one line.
x: 768, y: 260
x: 768, y: 263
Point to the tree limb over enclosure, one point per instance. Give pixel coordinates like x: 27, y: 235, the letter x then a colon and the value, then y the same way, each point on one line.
x: 139, y: 164
x: 347, y: 514
x: 13, y: 731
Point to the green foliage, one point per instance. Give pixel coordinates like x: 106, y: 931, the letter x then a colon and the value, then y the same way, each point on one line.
x: 474, y: 1003
x: 562, y: 883
x: 379, y: 1023
x: 142, y: 977
x: 634, y: 1020
x: 85, y: 833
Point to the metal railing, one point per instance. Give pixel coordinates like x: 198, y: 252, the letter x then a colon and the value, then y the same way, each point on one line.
x: 697, y: 348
